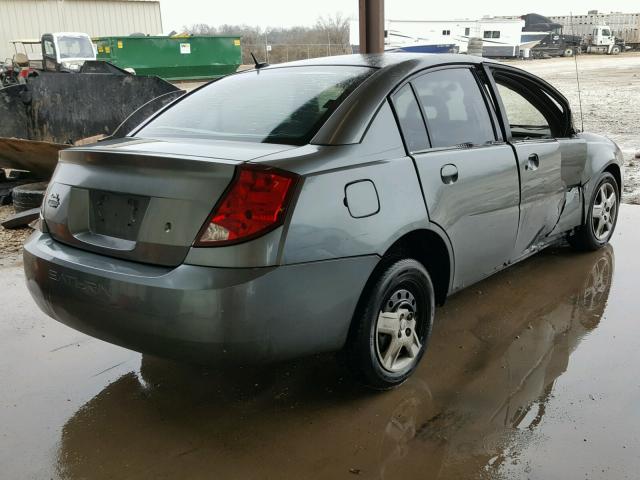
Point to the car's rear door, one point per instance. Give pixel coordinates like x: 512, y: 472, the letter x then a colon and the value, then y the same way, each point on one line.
x: 533, y: 123
x: 468, y: 174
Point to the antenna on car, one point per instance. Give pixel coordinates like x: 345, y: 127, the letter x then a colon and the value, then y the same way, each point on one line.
x: 575, y: 58
x: 258, y: 65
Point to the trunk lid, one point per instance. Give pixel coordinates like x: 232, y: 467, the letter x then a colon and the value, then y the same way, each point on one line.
x: 139, y: 199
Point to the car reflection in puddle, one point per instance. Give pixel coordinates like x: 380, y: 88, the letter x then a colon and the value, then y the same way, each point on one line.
x: 497, y: 350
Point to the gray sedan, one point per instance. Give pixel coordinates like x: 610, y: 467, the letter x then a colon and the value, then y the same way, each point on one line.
x: 316, y: 206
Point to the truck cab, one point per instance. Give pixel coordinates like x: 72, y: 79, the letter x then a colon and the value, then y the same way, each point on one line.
x: 66, y: 51
x: 602, y: 40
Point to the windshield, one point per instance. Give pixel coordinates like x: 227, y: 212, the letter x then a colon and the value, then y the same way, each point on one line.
x: 75, y: 47
x: 280, y: 105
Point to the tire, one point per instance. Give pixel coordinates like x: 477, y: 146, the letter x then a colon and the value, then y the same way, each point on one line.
x: 26, y: 197
x: 593, y: 235
x: 568, y: 52
x: 393, y: 322
x: 615, y: 50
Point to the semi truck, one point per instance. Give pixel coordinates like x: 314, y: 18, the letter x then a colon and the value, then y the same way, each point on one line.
x: 599, y: 40
x: 625, y: 26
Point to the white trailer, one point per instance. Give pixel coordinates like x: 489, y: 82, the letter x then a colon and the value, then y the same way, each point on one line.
x: 501, y: 36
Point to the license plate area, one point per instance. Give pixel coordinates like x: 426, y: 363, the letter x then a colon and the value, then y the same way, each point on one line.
x: 115, y: 214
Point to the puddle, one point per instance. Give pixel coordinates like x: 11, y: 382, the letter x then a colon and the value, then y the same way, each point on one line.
x: 528, y: 375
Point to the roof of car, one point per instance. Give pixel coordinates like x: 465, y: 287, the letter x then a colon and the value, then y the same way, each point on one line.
x: 382, y: 60
x: 351, y: 119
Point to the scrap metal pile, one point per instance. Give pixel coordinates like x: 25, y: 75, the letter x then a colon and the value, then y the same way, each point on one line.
x: 52, y: 110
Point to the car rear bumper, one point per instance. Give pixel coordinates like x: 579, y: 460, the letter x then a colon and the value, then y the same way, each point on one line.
x: 198, y: 313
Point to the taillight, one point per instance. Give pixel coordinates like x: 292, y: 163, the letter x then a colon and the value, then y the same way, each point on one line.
x: 255, y: 203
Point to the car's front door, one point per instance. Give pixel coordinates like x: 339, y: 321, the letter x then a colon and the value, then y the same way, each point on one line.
x: 468, y: 174
x: 532, y: 123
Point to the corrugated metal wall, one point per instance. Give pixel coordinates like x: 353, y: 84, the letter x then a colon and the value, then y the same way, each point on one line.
x: 31, y: 18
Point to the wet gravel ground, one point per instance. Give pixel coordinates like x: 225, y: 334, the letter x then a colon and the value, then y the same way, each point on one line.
x: 530, y: 374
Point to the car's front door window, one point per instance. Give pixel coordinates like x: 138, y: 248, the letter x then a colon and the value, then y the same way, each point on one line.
x: 525, y: 120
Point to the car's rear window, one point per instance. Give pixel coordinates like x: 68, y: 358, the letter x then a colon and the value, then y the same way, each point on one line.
x: 281, y: 105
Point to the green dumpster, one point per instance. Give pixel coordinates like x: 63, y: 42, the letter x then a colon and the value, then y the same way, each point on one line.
x: 173, y: 58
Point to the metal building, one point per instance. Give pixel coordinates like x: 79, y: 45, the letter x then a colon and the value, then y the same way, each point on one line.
x: 623, y: 25
x: 31, y: 18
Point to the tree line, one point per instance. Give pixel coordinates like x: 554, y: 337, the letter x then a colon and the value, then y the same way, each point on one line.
x: 329, y: 36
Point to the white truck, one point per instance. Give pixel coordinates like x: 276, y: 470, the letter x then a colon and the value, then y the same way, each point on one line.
x: 602, y: 40
x: 62, y: 51
x: 66, y: 51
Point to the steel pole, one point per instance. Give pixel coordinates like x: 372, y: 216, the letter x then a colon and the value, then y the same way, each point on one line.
x: 371, y: 26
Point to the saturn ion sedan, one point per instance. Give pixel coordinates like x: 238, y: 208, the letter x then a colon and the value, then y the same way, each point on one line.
x: 317, y: 206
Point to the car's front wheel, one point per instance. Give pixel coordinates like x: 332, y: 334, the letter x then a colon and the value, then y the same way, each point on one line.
x: 601, y: 218
x: 392, y: 325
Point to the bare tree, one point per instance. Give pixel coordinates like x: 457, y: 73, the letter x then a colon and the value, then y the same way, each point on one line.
x: 329, y: 36
x: 336, y: 28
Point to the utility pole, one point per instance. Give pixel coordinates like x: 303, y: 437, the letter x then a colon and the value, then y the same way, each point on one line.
x: 371, y: 16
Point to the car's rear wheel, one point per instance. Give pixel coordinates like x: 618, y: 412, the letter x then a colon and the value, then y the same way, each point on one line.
x: 392, y: 325
x: 601, y: 218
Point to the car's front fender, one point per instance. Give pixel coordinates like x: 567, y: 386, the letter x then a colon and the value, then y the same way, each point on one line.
x: 601, y: 153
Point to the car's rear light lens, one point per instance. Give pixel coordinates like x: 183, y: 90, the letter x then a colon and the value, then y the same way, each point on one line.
x: 254, y: 204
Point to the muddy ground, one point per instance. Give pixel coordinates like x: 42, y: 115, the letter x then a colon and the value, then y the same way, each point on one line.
x: 530, y: 374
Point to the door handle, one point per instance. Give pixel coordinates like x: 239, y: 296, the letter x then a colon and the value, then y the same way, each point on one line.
x: 449, y: 174
x: 533, y: 162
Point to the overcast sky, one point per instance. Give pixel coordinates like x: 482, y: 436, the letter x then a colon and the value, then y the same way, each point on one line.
x: 275, y: 13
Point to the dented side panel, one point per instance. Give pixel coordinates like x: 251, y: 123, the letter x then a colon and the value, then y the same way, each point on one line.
x: 573, y: 152
x: 542, y: 197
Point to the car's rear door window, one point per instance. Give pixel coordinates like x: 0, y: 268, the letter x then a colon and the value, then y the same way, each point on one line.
x: 410, y: 119
x: 278, y: 105
x: 454, y: 107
